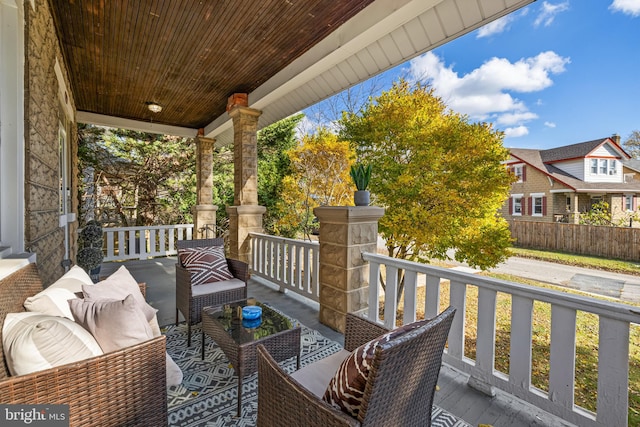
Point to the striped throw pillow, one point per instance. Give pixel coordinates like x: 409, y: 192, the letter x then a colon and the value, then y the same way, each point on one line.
x: 206, y: 264
x: 35, y: 342
x: 346, y: 389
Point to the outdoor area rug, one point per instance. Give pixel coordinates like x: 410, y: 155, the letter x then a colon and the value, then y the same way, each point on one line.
x: 207, y: 395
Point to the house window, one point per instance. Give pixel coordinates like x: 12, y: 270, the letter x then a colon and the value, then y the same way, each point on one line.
x: 628, y: 202
x: 517, y: 170
x: 568, y: 204
x: 516, y: 204
x: 538, y: 202
x: 603, y: 166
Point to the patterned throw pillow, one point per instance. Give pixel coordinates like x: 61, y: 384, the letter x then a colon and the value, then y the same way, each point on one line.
x: 206, y: 264
x: 346, y: 389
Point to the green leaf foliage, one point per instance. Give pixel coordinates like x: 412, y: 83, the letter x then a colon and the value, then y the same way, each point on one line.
x: 274, y: 165
x: 438, y: 176
x: 144, y: 179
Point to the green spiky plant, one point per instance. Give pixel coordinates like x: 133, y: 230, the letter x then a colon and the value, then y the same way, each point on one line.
x: 361, y: 176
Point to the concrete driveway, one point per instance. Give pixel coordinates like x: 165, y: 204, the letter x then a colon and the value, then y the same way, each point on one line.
x: 624, y: 287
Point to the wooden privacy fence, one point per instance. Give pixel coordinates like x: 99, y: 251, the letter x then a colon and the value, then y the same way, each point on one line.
x: 607, y: 242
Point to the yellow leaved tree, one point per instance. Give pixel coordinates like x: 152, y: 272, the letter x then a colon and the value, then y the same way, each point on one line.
x: 320, y: 177
x: 439, y: 177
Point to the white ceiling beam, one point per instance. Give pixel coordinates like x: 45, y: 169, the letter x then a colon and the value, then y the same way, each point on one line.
x: 136, y: 125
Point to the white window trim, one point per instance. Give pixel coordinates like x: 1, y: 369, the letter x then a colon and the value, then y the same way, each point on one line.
x: 626, y: 198
x: 535, y: 196
x: 12, y: 169
x: 513, y: 204
x: 515, y: 168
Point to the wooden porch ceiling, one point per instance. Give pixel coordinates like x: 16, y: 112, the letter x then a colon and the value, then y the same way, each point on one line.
x: 189, y: 56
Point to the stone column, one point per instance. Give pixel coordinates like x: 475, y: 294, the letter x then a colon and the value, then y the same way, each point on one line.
x: 246, y: 216
x: 204, y: 213
x: 575, y: 214
x: 243, y: 220
x: 345, y: 232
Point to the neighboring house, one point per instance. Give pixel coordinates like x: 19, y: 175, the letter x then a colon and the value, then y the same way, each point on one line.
x: 560, y: 183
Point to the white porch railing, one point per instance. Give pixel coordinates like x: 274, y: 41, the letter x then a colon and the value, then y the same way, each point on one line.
x: 292, y: 264
x: 613, y: 335
x: 144, y: 242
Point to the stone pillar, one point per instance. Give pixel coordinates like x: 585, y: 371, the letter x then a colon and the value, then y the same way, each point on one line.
x: 345, y: 232
x: 242, y: 221
x: 204, y: 213
x: 575, y: 214
x: 246, y: 216
x: 245, y: 155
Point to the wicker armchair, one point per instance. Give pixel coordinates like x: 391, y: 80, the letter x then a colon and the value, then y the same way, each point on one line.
x: 126, y: 387
x: 191, y: 306
x: 399, y: 391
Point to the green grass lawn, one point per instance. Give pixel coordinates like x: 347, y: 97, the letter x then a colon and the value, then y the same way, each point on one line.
x: 614, y: 265
x: 586, y: 343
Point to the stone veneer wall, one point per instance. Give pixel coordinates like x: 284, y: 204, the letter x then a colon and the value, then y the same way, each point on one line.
x: 43, y: 236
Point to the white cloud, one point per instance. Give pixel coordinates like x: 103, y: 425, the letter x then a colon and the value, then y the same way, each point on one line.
x: 550, y: 124
x: 548, y: 13
x: 511, y: 119
x: 487, y: 91
x: 495, y: 27
x: 516, y: 132
x: 629, y: 7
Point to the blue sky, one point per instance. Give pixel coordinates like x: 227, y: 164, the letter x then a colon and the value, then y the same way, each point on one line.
x: 551, y: 74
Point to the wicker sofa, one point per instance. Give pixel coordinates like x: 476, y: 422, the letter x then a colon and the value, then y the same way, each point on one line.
x: 122, y: 388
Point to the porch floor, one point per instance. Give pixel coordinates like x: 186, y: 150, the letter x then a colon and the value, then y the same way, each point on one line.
x: 453, y: 395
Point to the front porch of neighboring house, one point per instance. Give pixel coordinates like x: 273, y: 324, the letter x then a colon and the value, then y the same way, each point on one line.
x: 286, y: 273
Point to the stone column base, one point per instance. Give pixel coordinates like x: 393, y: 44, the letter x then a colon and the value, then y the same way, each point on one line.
x: 345, y: 232
x: 243, y: 220
x: 204, y: 221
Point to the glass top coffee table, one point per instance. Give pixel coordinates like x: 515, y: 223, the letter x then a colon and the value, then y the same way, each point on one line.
x: 239, y: 338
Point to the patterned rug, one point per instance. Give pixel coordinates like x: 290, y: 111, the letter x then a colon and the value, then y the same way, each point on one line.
x: 207, y: 395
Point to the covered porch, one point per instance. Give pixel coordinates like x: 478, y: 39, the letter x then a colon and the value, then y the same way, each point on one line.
x: 453, y: 395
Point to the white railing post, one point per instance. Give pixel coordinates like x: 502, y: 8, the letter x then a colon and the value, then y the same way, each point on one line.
x: 280, y: 261
x: 615, y: 320
x: 143, y: 242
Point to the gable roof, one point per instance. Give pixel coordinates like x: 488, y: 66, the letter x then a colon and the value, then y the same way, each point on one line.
x: 573, y: 151
x: 543, y: 160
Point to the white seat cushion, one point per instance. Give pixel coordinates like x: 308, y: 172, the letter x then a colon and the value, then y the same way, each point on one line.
x: 210, y: 288
x: 316, y: 376
x: 34, y: 342
x: 53, y: 300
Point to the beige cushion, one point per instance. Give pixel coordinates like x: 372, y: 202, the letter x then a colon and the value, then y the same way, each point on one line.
x: 115, y: 324
x: 315, y: 377
x: 118, y: 286
x: 174, y: 373
x: 53, y: 300
x: 205, y: 264
x: 346, y: 389
x: 73, y: 280
x: 34, y: 342
x: 210, y: 288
